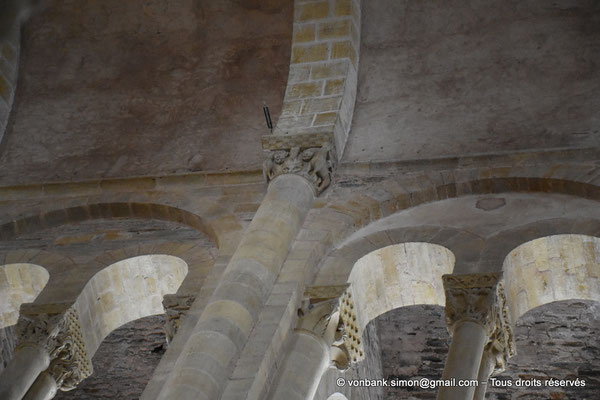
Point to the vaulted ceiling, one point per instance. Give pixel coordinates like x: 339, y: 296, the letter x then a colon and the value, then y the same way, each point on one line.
x: 136, y: 88
x: 109, y: 89
x: 450, y: 78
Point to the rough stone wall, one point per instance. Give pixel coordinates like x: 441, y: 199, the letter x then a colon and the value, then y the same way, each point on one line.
x: 558, y: 340
x: 124, y: 362
x: 416, y: 343
x: 561, y: 341
x: 369, y: 367
x: 9, y: 65
x: 8, y: 342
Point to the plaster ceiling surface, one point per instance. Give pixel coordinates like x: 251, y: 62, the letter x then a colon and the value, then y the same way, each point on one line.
x: 135, y: 88
x: 465, y: 213
x: 449, y: 78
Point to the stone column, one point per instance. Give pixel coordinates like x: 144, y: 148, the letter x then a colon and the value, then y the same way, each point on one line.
x: 26, y: 364
x: 305, y: 361
x: 499, y: 348
x: 322, y: 338
x: 485, y: 371
x: 297, y: 168
x: 474, y: 314
x: 50, y: 341
x: 44, y: 388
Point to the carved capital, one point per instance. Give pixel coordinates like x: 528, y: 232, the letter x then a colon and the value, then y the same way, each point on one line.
x: 59, y: 334
x: 480, y: 298
x: 501, y: 345
x: 329, y: 313
x: 311, y: 156
x: 351, y: 336
x: 176, y: 307
x: 471, y: 297
x: 39, y: 326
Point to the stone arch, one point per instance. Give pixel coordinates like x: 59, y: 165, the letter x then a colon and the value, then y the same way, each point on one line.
x: 19, y: 283
x: 337, y: 396
x: 47, y: 261
x: 198, y: 257
x: 323, y: 75
x: 345, y: 214
x: 399, y: 275
x: 116, y: 210
x: 390, y: 196
x: 499, y: 246
x: 479, y: 246
x: 125, y: 291
x: 552, y: 268
x: 338, y: 265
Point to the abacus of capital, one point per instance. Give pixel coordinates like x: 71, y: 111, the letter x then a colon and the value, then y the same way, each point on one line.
x: 482, y: 339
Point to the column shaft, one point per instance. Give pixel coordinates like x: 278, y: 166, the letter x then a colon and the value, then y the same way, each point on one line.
x: 226, y: 322
x: 485, y: 370
x: 44, y: 388
x: 464, y: 358
x: 25, y: 366
x: 303, y: 366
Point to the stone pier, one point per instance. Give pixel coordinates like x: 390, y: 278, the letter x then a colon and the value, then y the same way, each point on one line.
x: 482, y: 340
x: 297, y: 167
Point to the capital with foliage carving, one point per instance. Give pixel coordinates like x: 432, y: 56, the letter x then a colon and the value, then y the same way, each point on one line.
x: 58, y: 332
x: 328, y: 312
x: 480, y: 298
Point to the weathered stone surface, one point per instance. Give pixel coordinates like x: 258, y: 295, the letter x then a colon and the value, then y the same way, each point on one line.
x: 561, y: 341
x: 95, y: 244
x: 447, y: 78
x: 558, y: 340
x: 124, y: 362
x: 369, y: 367
x: 8, y: 342
x: 89, y: 238
x: 136, y: 88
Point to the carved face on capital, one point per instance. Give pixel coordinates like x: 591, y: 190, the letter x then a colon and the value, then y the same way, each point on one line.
x: 473, y: 304
x: 294, y: 151
x: 308, y: 154
x: 279, y: 156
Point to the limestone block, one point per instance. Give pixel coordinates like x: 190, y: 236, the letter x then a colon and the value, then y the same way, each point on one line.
x: 310, y: 53
x: 552, y: 268
x: 399, y: 275
x: 330, y: 69
x: 334, y: 29
x: 19, y: 283
x: 304, y: 33
x: 312, y: 11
